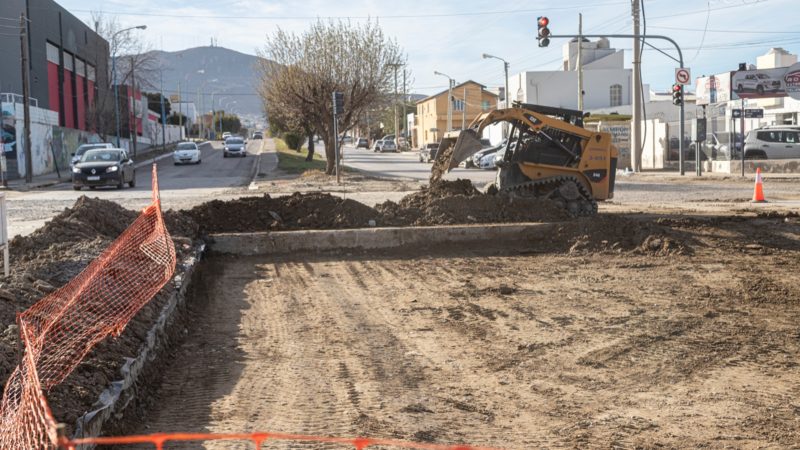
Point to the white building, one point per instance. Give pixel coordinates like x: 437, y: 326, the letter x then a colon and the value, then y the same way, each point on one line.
x: 606, y: 81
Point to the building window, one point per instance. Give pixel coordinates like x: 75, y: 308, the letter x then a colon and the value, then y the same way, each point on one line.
x: 485, y: 105
x: 616, y: 95
x: 458, y: 104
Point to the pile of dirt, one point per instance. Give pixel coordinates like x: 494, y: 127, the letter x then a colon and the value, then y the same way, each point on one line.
x: 50, y: 257
x: 298, y: 211
x: 458, y: 202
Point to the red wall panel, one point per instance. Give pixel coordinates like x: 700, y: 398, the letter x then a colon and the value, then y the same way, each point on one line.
x: 52, y: 86
x: 81, y: 103
x: 69, y: 117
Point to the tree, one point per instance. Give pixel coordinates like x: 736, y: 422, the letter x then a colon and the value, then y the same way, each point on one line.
x: 332, y: 56
x: 136, y: 64
x: 154, y: 104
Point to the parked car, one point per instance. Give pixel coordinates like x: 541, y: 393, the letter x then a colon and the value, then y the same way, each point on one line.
x: 103, y: 167
x: 186, y: 153
x: 362, y: 143
x: 428, y: 152
x: 377, y: 146
x: 258, y: 135
x: 234, y: 146
x: 388, y: 146
x: 76, y: 156
x: 778, y: 142
x: 489, y: 159
x: 347, y: 140
x: 475, y: 160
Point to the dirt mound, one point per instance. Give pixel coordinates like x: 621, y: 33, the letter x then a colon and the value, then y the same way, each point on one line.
x: 54, y: 254
x: 298, y: 211
x: 459, y: 202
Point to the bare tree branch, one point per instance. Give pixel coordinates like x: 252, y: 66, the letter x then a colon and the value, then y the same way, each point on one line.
x: 332, y: 56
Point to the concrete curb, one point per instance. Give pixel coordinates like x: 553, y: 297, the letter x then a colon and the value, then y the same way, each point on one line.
x: 116, y: 397
x: 253, y: 186
x: 286, y: 242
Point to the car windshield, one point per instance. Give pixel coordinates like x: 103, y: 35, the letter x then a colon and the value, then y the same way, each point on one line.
x: 101, y: 156
x: 234, y: 141
x: 84, y: 148
x: 433, y: 145
x: 187, y: 146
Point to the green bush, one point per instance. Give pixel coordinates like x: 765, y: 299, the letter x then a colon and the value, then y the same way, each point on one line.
x: 293, y: 141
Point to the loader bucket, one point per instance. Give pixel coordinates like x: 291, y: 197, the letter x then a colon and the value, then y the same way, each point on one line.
x: 467, y: 144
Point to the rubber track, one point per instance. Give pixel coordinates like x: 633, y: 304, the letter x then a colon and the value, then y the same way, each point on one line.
x: 530, y: 186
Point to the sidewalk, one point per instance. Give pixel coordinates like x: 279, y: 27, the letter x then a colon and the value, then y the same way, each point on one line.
x: 143, y: 158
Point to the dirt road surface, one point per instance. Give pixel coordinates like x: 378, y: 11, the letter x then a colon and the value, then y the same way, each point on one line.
x: 587, y: 347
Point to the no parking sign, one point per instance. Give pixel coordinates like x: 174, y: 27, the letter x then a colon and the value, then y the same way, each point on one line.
x: 682, y: 75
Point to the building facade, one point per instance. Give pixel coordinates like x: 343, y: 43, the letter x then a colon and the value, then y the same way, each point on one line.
x: 68, y: 60
x: 606, y: 81
x: 470, y: 99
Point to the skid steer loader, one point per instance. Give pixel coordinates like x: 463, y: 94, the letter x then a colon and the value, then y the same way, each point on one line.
x: 548, y: 154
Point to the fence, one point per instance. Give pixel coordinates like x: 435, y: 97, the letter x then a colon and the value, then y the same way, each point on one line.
x: 258, y: 439
x: 62, y: 328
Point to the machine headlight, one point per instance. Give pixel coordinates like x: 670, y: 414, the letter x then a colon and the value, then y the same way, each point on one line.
x: 112, y: 169
x: 226, y: 148
x: 76, y: 170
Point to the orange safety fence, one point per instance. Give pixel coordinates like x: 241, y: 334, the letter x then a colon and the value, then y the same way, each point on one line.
x: 158, y: 440
x: 63, y: 327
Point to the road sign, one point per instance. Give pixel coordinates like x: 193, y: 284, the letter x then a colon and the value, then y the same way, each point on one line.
x: 736, y: 113
x: 683, y: 75
x: 753, y: 113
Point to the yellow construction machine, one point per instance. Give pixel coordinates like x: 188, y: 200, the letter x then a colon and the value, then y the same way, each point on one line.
x: 548, y: 154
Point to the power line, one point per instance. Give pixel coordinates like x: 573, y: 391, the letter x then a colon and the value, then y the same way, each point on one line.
x: 395, y: 16
x: 702, y: 11
x: 725, y: 31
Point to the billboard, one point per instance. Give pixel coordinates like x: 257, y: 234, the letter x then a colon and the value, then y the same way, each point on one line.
x: 713, y: 89
x: 759, y: 83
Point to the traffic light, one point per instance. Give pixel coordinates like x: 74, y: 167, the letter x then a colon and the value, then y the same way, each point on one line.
x: 338, y: 102
x: 677, y: 94
x: 544, y: 33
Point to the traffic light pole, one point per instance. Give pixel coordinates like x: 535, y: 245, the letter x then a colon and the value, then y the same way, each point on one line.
x: 680, y: 62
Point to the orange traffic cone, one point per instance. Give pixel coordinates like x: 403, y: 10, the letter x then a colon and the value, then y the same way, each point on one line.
x: 758, y: 191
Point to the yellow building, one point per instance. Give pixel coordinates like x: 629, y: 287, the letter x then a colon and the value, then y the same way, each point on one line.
x: 431, y: 119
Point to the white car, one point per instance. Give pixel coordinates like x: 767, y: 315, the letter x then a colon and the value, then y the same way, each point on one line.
x: 489, y: 161
x: 186, y: 153
x: 774, y: 142
x: 757, y: 82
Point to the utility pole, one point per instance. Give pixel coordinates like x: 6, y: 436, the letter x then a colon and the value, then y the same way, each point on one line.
x: 636, y: 118
x: 135, y: 129
x: 580, y: 62
x: 464, y: 111
x: 163, y: 116
x: 394, y: 107
x: 450, y: 105
x: 26, y: 101
x: 180, y: 111
x: 406, y: 134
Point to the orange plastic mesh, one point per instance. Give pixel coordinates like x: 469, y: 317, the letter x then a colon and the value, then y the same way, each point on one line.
x: 258, y: 440
x: 63, y: 327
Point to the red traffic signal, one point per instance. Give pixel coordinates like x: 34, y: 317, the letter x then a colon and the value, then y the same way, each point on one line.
x: 677, y: 94
x: 542, y: 36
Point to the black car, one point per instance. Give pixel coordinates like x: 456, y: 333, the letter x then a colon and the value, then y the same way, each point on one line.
x: 103, y: 167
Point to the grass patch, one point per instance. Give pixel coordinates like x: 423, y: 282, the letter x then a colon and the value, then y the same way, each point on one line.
x: 294, y: 162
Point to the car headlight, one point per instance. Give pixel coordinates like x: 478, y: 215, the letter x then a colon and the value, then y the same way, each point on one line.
x: 76, y: 170
x: 112, y: 169
x: 226, y: 148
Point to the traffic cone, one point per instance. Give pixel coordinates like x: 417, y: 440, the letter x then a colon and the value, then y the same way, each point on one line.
x: 758, y: 191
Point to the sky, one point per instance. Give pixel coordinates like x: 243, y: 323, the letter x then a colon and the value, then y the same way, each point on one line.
x: 450, y: 36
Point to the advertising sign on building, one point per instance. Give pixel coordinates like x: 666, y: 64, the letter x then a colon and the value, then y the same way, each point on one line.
x: 760, y: 83
x: 791, y: 81
x: 713, y: 89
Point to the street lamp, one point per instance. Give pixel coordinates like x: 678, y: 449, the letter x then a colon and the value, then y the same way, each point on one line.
x: 506, y: 102
x: 114, y: 71
x: 451, y: 82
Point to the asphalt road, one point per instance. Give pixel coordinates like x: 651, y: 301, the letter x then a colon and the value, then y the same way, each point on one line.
x: 181, y: 186
x: 406, y: 165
